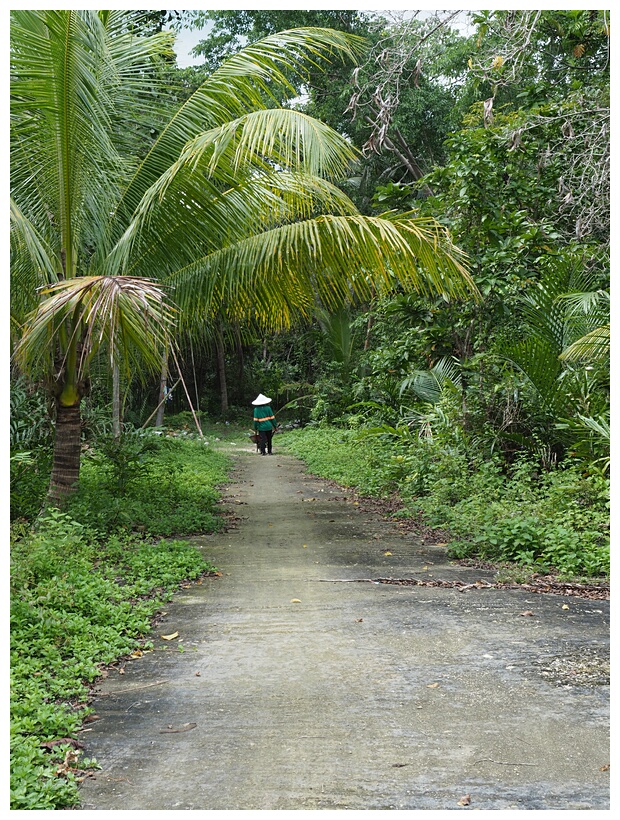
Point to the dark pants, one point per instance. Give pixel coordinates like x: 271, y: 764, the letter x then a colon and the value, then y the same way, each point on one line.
x: 265, y: 437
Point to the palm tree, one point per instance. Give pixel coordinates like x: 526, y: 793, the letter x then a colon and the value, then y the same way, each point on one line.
x: 232, y: 203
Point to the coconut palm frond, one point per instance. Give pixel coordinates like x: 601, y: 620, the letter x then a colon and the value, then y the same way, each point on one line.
x: 282, y: 272
x: 65, y: 87
x: 128, y: 317
x: 211, y: 219
x: 239, y: 86
x: 275, y: 56
x: 279, y: 137
x: 256, y: 144
x: 33, y: 263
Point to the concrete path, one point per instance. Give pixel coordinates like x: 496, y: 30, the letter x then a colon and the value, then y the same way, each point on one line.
x: 292, y: 686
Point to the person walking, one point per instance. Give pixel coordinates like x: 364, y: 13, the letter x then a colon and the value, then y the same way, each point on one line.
x: 264, y: 423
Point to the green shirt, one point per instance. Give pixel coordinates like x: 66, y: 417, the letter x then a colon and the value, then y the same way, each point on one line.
x: 264, y: 418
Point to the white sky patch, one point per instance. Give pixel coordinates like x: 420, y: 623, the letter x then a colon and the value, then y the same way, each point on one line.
x: 185, y: 42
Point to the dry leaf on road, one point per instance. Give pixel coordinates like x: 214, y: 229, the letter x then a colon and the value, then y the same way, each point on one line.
x: 184, y: 728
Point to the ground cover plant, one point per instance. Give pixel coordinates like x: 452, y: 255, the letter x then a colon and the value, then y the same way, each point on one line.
x: 84, y: 592
x: 150, y: 482
x: 554, y: 520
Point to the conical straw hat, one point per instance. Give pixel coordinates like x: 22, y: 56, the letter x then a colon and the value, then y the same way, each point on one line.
x: 260, y: 399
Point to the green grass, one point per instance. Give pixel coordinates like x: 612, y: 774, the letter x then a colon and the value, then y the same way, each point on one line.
x: 342, y: 456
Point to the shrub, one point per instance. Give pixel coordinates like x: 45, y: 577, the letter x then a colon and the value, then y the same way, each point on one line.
x: 30, y: 475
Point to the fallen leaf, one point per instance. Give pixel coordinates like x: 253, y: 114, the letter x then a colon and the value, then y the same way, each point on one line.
x: 432, y: 686
x: 69, y: 764
x: 443, y: 544
x: 604, y: 768
x: 424, y: 569
x: 387, y: 553
x: 91, y: 718
x: 184, y: 728
x: 359, y: 620
x: 197, y: 674
x: 121, y: 671
x: 565, y: 606
x: 62, y: 741
x: 465, y: 800
x: 170, y: 637
x: 137, y: 654
x: 527, y: 612
x: 295, y: 601
x: 399, y: 765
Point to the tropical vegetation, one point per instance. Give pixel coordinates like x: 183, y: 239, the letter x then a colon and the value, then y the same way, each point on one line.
x: 394, y: 224
x: 227, y: 199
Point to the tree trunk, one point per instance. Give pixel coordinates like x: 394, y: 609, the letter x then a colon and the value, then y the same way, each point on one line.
x: 116, y: 402
x: 67, y: 447
x: 369, y: 325
x: 221, y: 370
x: 163, y: 380
x: 240, y: 362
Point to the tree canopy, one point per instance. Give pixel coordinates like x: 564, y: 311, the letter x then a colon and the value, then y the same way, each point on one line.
x: 230, y: 208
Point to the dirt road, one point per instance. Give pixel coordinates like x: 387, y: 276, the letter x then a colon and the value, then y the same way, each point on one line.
x: 292, y: 685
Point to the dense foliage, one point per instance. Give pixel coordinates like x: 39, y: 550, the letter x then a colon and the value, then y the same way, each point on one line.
x: 226, y: 198
x: 518, y: 169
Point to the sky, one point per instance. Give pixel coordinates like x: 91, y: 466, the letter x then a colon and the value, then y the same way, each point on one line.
x: 185, y: 41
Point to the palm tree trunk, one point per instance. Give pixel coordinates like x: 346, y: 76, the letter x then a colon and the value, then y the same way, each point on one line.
x: 67, y: 447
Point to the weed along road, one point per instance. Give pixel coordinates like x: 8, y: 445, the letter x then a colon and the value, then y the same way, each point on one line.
x: 297, y: 681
